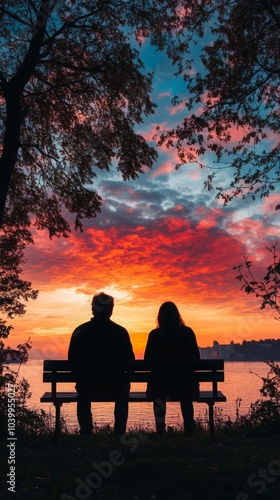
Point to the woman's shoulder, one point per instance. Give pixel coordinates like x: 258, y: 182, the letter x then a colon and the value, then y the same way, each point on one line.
x: 154, y: 332
x: 187, y: 330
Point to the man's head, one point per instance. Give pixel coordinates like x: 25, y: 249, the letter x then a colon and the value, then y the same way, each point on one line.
x: 102, y: 305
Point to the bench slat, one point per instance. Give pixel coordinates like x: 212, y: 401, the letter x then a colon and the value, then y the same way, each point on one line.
x: 141, y: 364
x: 132, y: 377
x: 71, y: 397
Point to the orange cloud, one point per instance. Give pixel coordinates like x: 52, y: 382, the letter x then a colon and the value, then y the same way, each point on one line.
x: 269, y: 204
x: 165, y: 94
x: 176, y: 109
x: 170, y: 255
x: 165, y: 168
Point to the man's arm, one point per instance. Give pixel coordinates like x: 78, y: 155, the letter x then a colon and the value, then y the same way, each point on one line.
x: 129, y: 349
x: 73, y: 351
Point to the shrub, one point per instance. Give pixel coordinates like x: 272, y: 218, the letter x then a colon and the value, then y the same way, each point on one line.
x: 265, y: 413
x: 27, y: 421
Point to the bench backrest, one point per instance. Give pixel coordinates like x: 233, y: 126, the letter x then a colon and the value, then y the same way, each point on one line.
x: 61, y: 371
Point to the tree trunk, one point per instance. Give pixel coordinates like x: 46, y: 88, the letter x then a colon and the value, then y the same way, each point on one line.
x: 13, y: 91
x: 10, y: 148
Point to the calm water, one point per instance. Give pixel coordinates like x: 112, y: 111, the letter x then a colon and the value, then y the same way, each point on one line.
x: 241, y: 382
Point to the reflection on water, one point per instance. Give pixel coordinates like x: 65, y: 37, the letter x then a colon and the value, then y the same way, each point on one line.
x: 242, y: 381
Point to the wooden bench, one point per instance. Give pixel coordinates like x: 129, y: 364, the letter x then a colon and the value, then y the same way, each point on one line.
x: 61, y: 371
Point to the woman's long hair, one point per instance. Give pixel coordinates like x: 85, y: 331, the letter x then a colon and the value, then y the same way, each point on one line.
x: 169, y: 316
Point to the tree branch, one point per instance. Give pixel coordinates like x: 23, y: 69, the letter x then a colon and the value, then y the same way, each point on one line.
x: 267, y: 6
x: 67, y: 84
x: 72, y: 24
x: 14, y: 16
x: 267, y: 289
x: 32, y: 5
x: 40, y: 150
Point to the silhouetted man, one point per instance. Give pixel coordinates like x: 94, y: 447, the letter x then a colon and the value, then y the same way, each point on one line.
x: 94, y: 341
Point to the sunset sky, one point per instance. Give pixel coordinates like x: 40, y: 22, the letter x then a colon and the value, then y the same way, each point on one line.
x: 160, y: 237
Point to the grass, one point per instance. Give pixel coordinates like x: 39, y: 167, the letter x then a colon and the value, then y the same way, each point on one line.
x: 238, y: 465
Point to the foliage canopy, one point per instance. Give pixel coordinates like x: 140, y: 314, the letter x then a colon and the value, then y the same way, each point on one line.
x: 232, y: 102
x: 72, y: 89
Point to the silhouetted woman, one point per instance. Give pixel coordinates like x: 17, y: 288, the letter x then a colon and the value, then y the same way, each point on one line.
x: 172, y: 344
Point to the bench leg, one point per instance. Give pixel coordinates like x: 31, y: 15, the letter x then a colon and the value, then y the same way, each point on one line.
x: 211, y: 419
x: 57, y: 419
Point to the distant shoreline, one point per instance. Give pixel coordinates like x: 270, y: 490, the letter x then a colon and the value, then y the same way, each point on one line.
x: 251, y: 360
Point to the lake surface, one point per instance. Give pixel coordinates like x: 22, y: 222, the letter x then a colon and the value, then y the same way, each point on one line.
x: 242, y: 384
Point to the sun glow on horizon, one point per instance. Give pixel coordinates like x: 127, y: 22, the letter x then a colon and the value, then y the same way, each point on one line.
x: 50, y: 321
